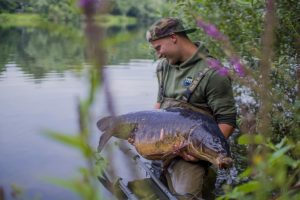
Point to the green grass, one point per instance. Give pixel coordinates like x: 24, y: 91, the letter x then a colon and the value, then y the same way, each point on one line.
x: 35, y: 20
x: 113, y: 20
x: 20, y: 19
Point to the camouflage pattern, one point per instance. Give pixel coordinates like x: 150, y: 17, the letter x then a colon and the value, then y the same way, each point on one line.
x: 165, y: 27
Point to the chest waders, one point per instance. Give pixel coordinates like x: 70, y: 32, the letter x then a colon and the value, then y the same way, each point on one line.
x: 184, y: 102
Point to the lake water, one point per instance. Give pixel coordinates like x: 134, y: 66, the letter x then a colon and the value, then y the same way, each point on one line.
x: 42, y: 75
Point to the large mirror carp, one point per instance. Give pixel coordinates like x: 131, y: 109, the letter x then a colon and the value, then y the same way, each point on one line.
x: 158, y: 134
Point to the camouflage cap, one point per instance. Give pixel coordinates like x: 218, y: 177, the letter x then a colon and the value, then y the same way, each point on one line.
x: 165, y: 27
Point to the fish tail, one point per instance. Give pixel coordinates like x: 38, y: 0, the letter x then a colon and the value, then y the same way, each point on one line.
x: 103, y: 140
x: 104, y: 123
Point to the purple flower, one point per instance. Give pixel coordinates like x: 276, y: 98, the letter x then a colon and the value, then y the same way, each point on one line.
x: 237, y: 66
x: 201, y: 23
x: 88, y: 6
x: 85, y: 3
x: 211, y: 30
x: 223, y: 71
x: 217, y: 65
x: 213, y: 63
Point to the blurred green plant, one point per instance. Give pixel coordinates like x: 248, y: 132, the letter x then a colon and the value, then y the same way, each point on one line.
x: 243, y: 23
x: 86, y: 185
x: 17, y: 192
x: 274, y: 173
x: 273, y: 170
x: 265, y: 37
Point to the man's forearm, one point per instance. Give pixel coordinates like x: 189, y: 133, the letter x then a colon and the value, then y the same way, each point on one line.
x: 226, y: 129
x: 157, y: 106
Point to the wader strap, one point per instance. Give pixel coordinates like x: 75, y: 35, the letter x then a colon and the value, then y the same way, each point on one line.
x: 170, y: 102
x: 160, y: 83
x: 160, y: 76
x: 190, y: 90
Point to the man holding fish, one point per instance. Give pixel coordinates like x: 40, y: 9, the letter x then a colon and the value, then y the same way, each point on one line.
x: 186, y: 80
x: 195, y: 113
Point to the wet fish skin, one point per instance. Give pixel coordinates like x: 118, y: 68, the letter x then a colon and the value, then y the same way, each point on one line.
x: 155, y: 134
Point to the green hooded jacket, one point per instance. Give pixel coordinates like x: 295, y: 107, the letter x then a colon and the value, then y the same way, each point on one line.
x: 213, y: 93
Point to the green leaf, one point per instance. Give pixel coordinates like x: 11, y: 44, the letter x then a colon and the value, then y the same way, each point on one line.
x: 246, y: 173
x: 248, y: 187
x: 244, y: 2
x: 282, y: 142
x: 279, y: 153
x: 259, y: 139
x: 251, y: 139
x: 70, y: 140
x: 17, y: 191
x: 290, y: 162
x: 82, y: 188
x: 244, y: 139
x: 271, y: 146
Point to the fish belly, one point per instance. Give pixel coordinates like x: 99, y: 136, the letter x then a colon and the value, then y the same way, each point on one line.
x: 160, y: 149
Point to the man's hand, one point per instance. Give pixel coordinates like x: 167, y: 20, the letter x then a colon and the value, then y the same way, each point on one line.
x: 131, y: 141
x: 178, y: 150
x: 187, y: 157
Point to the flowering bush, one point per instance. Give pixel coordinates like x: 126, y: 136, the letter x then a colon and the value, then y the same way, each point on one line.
x: 259, y: 42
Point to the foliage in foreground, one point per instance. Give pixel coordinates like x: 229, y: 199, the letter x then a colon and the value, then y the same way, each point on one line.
x: 271, y: 60
x: 263, y: 40
x: 86, y: 185
x: 273, y: 171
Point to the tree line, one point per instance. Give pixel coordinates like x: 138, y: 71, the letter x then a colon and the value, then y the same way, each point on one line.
x: 67, y: 10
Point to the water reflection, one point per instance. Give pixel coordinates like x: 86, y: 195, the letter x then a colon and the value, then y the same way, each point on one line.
x: 42, y: 74
x: 39, y: 52
x: 27, y: 109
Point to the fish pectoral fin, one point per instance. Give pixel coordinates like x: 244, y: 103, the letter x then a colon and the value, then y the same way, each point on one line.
x: 174, y: 153
x: 103, y: 140
x: 154, y: 156
x: 169, y: 156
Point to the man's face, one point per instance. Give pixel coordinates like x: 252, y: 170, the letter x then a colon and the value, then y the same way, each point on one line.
x: 166, y: 48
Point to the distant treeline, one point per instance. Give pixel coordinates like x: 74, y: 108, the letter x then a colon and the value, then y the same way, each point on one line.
x: 67, y: 10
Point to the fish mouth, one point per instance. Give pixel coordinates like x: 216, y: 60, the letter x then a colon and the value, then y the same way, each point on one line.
x: 220, y: 161
x: 224, y: 162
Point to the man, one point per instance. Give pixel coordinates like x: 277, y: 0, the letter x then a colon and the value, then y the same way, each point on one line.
x: 185, y: 80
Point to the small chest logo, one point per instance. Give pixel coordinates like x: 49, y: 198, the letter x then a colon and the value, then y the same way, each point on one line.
x: 187, y: 81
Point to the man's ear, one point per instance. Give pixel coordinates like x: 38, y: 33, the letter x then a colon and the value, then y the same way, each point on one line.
x: 174, y: 38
